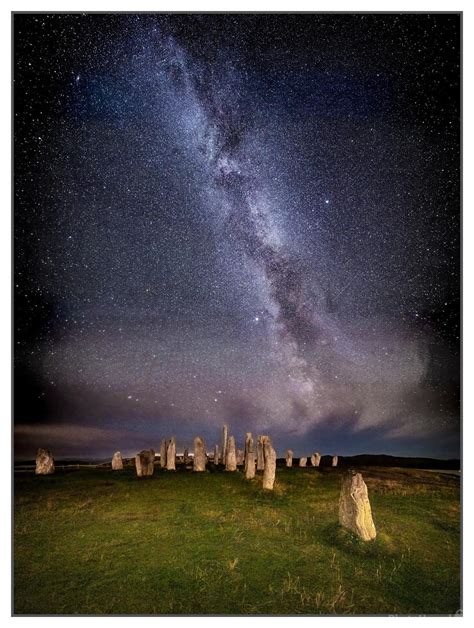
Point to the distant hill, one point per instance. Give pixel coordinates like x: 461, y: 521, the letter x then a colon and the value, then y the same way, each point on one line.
x: 384, y: 460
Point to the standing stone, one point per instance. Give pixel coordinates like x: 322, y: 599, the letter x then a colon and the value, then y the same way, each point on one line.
x: 334, y: 461
x: 249, y: 457
x: 355, y: 513
x: 171, y: 455
x: 269, y: 455
x: 200, y: 459
x: 240, y: 457
x: 231, y: 457
x: 163, y: 448
x: 145, y: 462
x: 224, y: 444
x: 44, y: 462
x: 261, y: 440
x: 303, y: 461
x: 289, y: 458
x: 316, y: 459
x: 186, y: 458
x: 117, y: 463
x: 216, y: 454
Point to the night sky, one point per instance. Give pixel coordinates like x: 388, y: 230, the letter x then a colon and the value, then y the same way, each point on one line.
x: 251, y: 219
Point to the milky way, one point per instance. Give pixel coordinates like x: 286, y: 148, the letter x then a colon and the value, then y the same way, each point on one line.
x: 250, y: 219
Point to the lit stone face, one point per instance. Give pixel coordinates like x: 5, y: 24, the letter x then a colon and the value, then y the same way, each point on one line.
x: 171, y: 455
x: 200, y: 458
x: 224, y: 444
x: 249, y: 467
x: 145, y: 462
x: 261, y: 440
x: 355, y: 513
x: 334, y: 461
x: 117, y: 463
x: 289, y: 458
x: 269, y: 455
x: 316, y: 459
x: 44, y: 462
x: 303, y: 462
x: 231, y: 456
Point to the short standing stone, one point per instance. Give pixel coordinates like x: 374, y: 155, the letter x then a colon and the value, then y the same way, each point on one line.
x: 231, y: 457
x: 249, y: 457
x: 171, y: 455
x: 240, y: 457
x: 355, y: 513
x: 186, y: 458
x: 303, y: 461
x: 163, y: 448
x: 117, y: 463
x: 224, y: 444
x: 334, y: 461
x: 216, y: 454
x: 289, y: 458
x: 316, y: 459
x: 269, y: 455
x: 200, y: 458
x: 44, y: 462
x: 145, y: 462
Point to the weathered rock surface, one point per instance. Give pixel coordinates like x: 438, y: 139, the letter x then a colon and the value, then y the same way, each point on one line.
x: 355, y: 513
x: 216, y: 454
x: 231, y: 456
x: 316, y: 459
x: 117, y: 462
x: 44, y: 462
x: 145, y: 462
x: 186, y: 458
x: 240, y: 457
x: 334, y: 461
x: 289, y: 458
x: 163, y: 448
x: 224, y: 444
x: 200, y: 458
x: 171, y: 455
x: 269, y: 455
x: 303, y: 462
x: 249, y: 467
x: 261, y: 440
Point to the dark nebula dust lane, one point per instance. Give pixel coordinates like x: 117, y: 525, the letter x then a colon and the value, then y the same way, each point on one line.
x: 251, y: 219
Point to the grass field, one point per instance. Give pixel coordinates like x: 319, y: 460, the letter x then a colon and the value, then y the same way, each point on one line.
x: 97, y: 541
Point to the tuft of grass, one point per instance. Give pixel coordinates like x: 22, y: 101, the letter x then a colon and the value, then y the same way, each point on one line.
x: 102, y: 542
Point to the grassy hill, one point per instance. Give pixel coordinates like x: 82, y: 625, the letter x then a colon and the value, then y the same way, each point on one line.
x: 97, y: 541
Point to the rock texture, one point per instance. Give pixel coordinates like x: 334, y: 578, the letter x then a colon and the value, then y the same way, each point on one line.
x: 163, y: 448
x: 186, y: 458
x: 303, y: 462
x: 261, y: 440
x: 216, y: 454
x: 171, y: 455
x: 145, y: 462
x: 240, y: 457
x: 269, y: 455
x: 44, y: 462
x: 289, y: 458
x: 316, y: 459
x: 231, y: 456
x: 334, y: 461
x: 200, y: 458
x: 117, y: 463
x: 355, y: 513
x: 224, y: 444
x: 249, y: 467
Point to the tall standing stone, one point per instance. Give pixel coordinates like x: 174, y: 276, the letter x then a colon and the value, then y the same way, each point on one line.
x: 249, y: 457
x: 355, y: 513
x: 117, y: 463
x: 224, y: 444
x: 261, y: 440
x: 145, y: 462
x: 200, y: 459
x: 216, y: 454
x: 334, y: 461
x: 316, y: 459
x: 231, y: 457
x: 163, y: 448
x: 269, y: 455
x: 289, y: 458
x: 171, y: 455
x: 240, y: 457
x: 303, y: 461
x: 44, y: 462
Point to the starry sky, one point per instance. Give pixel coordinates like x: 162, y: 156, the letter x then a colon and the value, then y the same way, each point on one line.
x: 250, y: 219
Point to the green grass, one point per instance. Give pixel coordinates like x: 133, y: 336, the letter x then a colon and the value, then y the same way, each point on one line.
x: 98, y: 541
